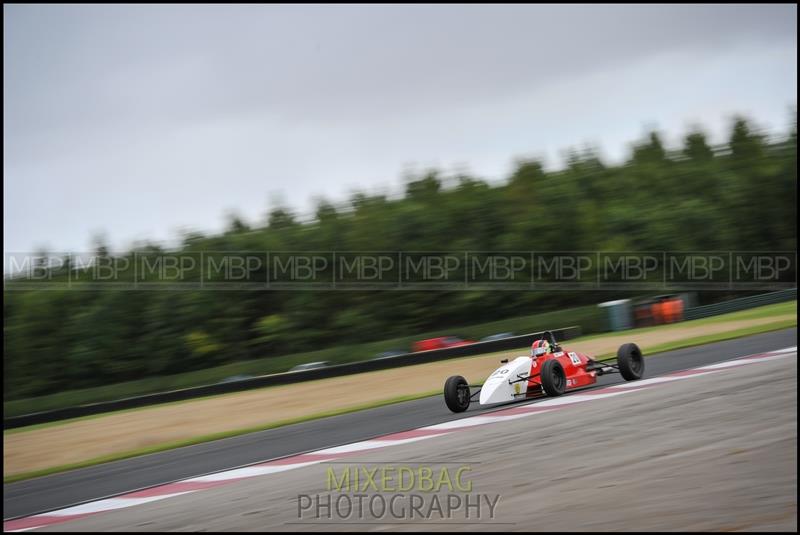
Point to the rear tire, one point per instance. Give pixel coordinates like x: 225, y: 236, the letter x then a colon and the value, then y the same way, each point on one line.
x: 630, y: 362
x: 457, y: 393
x: 554, y: 380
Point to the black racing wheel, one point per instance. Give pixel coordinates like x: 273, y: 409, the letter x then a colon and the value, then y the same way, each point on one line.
x: 554, y: 380
x: 456, y: 393
x: 630, y: 362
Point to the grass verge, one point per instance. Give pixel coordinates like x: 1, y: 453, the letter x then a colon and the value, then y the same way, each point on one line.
x: 205, y: 438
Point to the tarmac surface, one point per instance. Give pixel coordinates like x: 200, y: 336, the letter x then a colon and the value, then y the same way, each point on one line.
x: 693, y: 422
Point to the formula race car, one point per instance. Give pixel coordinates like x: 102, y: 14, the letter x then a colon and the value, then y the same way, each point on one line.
x: 549, y: 370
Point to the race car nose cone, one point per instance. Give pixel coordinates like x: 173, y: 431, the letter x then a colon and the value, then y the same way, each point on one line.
x: 496, y: 391
x: 503, y: 384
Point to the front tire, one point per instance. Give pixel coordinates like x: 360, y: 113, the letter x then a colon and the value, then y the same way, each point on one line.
x: 630, y: 362
x: 456, y: 393
x: 554, y: 380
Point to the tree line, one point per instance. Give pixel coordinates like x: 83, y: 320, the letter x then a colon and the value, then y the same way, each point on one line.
x: 740, y: 195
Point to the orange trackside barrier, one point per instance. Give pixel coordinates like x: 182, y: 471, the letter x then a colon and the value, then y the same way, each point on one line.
x: 665, y: 311
x: 668, y: 310
x: 673, y: 310
x: 679, y: 310
x: 655, y: 311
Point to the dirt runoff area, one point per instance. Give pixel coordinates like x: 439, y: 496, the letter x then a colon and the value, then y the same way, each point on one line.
x: 82, y: 440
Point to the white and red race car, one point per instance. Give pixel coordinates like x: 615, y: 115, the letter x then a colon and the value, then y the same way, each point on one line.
x: 549, y: 370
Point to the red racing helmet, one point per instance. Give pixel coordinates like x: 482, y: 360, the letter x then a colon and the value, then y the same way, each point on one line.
x: 540, y: 347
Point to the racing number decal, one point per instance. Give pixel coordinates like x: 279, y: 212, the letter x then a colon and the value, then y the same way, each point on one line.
x: 576, y: 360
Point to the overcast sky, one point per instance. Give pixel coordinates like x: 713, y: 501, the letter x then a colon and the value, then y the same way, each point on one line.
x: 140, y: 122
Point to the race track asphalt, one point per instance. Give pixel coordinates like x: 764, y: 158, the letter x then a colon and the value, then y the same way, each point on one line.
x: 710, y: 452
x: 60, y: 490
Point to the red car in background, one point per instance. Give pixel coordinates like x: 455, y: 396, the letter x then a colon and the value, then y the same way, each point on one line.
x: 440, y: 342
